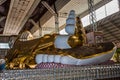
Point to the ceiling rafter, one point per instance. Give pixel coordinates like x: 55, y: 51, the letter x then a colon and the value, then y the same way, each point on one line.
x: 2, y: 1
x: 18, y: 11
x: 114, y: 24
x: 110, y: 27
x: 111, y: 33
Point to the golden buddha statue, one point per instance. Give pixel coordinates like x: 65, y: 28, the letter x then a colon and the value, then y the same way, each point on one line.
x: 64, y: 49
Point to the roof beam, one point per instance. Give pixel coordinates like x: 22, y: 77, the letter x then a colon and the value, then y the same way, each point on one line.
x: 30, y: 12
x: 19, y: 12
x: 48, y: 7
x: 48, y: 15
x: 2, y: 1
x: 2, y: 18
x: 54, y: 13
x: 114, y: 25
x: 96, y: 6
x: 111, y: 33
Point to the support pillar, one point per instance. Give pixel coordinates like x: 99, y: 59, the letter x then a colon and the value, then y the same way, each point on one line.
x: 54, y: 14
x: 36, y: 25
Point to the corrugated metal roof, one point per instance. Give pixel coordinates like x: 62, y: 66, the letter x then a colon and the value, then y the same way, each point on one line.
x: 78, y: 5
x: 110, y: 27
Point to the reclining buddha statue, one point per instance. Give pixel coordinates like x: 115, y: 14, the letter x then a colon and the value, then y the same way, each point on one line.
x: 54, y: 50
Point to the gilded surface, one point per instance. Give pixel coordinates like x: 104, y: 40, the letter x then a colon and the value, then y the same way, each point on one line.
x: 23, y: 53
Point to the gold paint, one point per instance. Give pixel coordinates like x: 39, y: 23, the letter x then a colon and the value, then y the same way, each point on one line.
x: 80, y: 31
x: 74, y: 41
x: 47, y: 36
x: 22, y: 58
x: 95, y: 55
x: 22, y: 55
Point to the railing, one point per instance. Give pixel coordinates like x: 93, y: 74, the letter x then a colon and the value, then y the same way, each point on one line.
x: 92, y: 72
